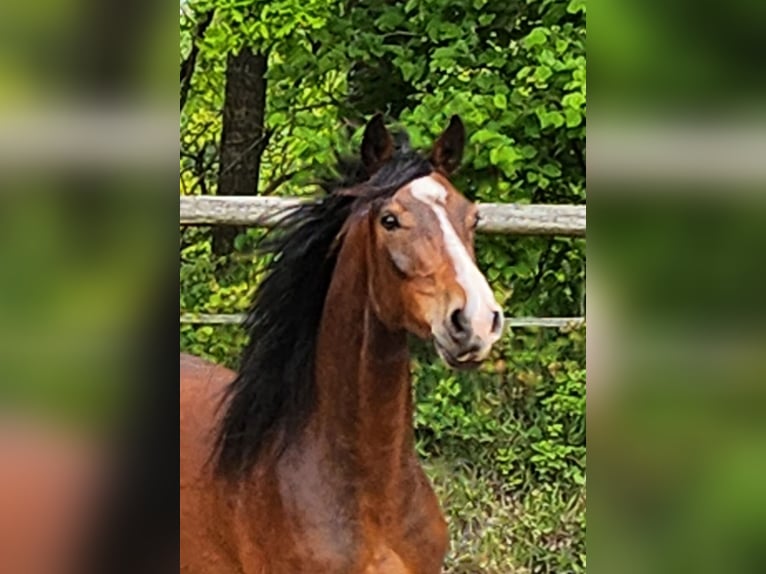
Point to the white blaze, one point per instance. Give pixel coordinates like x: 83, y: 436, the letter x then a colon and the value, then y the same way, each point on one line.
x: 480, y: 302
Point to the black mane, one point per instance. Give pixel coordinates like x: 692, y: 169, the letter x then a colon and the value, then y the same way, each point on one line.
x: 274, y: 392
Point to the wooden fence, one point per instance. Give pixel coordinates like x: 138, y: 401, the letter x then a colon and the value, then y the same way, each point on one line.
x: 497, y: 218
x: 501, y: 218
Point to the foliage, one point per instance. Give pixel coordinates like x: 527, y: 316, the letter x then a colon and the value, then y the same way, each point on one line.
x: 497, y: 531
x: 505, y: 445
x: 521, y: 414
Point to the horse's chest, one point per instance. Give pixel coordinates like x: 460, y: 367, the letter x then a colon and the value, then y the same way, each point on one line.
x: 368, y: 558
x: 410, y: 544
x: 341, y: 529
x: 386, y: 561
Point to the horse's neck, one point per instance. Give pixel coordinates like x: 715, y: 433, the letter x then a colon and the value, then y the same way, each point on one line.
x: 364, y: 415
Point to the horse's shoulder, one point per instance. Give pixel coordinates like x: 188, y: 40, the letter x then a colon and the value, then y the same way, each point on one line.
x: 193, y: 367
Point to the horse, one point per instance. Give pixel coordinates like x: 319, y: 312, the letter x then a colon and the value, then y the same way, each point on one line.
x: 303, y: 460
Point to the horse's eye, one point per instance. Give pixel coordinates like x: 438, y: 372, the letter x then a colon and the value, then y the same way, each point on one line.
x: 389, y: 221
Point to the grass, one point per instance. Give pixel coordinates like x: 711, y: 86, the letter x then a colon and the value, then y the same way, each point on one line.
x: 497, y: 531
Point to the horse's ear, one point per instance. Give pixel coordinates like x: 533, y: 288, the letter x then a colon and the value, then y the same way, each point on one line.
x: 377, y: 144
x: 448, y: 149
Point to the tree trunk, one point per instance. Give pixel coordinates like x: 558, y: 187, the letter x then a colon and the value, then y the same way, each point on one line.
x: 243, y: 137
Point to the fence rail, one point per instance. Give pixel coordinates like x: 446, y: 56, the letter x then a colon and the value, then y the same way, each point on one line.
x: 499, y: 218
x: 512, y: 322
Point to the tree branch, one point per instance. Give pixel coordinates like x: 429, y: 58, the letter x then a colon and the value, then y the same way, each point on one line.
x: 277, y: 181
x: 187, y: 66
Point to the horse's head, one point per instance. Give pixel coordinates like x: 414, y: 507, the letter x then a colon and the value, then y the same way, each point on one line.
x: 423, y: 273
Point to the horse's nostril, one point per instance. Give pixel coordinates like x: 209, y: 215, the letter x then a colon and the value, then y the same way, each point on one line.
x: 459, y: 321
x: 496, y: 321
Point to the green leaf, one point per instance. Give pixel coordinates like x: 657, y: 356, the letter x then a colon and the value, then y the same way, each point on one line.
x: 450, y: 30
x: 524, y: 72
x: 576, y: 6
x: 411, y: 70
x: 500, y: 101
x: 573, y: 100
x: 504, y: 157
x: 549, y: 118
x: 483, y: 136
x: 391, y: 18
x: 542, y: 73
x: 445, y: 53
x: 528, y: 151
x: 277, y: 119
x: 535, y: 38
x: 240, y: 241
x: 551, y: 170
x: 573, y: 117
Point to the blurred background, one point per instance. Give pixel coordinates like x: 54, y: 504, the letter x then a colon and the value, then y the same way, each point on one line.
x: 88, y: 276
x: 676, y: 237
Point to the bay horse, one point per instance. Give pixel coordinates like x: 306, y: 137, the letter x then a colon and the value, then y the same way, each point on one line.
x: 303, y: 462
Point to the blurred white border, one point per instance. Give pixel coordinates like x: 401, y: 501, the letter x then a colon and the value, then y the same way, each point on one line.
x: 672, y: 152
x: 87, y: 138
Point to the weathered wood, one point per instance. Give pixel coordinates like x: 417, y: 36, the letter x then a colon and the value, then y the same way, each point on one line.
x: 500, y: 218
x: 249, y: 210
x: 512, y: 322
x: 519, y: 219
